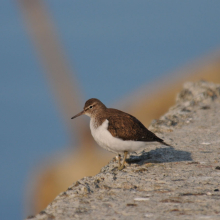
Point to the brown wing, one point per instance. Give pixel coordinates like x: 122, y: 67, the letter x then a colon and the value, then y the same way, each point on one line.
x: 127, y: 127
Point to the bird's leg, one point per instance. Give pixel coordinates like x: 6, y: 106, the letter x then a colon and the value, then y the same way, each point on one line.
x: 119, y: 160
x: 123, y: 162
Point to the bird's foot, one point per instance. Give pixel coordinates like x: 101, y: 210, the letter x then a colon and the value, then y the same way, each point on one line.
x: 119, y: 160
x: 121, y: 167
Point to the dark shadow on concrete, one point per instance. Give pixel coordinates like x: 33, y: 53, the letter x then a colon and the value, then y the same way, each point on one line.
x: 160, y: 155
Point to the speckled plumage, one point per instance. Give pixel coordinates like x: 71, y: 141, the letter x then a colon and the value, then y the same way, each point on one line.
x: 115, y: 130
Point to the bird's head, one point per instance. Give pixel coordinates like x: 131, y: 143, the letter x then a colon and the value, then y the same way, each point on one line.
x: 91, y: 108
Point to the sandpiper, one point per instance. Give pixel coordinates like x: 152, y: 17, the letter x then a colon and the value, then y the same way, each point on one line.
x: 117, y: 131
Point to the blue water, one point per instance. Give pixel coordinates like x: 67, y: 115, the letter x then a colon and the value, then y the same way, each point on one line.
x: 114, y: 46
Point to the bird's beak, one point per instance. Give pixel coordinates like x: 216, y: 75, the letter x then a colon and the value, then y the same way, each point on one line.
x: 81, y: 113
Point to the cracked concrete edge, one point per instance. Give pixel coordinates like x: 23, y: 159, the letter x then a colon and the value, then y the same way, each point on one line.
x: 194, y: 94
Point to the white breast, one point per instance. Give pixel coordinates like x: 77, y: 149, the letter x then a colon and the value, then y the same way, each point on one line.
x: 104, y: 138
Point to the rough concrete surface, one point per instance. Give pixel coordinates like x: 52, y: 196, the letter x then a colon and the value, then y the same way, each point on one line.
x: 179, y: 182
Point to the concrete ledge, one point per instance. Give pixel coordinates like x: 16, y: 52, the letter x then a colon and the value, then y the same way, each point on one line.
x: 182, y: 182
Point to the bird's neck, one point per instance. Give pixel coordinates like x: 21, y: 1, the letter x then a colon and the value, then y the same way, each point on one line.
x: 97, y: 118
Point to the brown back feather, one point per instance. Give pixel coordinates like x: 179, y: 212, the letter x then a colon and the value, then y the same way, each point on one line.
x: 127, y: 127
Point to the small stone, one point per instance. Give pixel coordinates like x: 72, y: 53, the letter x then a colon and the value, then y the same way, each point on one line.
x: 131, y: 204
x: 42, y: 212
x: 64, y: 194
x: 141, y: 199
x: 106, y: 187
x: 205, y: 107
x: 148, y: 215
x: 216, y: 190
x: 205, y: 143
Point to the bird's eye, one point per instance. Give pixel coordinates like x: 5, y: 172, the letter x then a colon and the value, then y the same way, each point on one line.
x: 90, y: 106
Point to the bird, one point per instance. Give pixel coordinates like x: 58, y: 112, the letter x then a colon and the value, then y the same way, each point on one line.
x: 117, y: 131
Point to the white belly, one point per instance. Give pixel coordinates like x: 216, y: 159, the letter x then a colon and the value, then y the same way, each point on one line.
x: 104, y: 138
